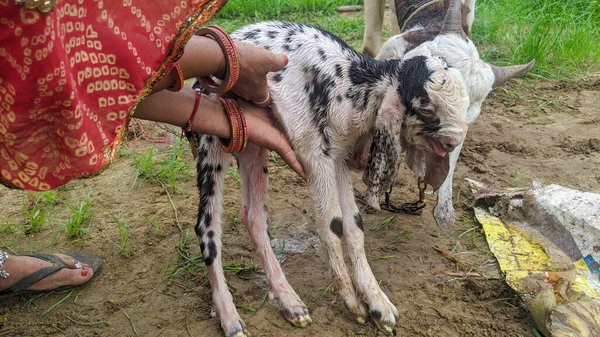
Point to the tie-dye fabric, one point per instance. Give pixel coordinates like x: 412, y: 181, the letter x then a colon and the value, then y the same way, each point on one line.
x: 70, y: 80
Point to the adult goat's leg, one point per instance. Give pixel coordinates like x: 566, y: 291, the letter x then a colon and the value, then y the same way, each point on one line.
x: 393, y: 17
x: 374, y: 10
x: 211, y: 167
x: 323, y: 190
x: 383, y: 312
x: 255, y: 184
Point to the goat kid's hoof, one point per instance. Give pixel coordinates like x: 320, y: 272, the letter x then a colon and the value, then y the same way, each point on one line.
x: 234, y: 327
x: 298, y: 316
x: 357, y: 309
x: 385, y: 315
x: 384, y: 324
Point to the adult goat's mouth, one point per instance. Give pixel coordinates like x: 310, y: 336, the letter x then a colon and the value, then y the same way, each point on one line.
x: 436, y: 146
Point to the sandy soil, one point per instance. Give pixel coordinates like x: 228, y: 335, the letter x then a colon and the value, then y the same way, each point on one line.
x: 546, y: 130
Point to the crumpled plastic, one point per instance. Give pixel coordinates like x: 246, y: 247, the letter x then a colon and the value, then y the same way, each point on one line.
x: 547, y: 241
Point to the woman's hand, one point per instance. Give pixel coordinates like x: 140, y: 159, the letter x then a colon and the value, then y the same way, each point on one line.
x: 255, y: 63
x: 263, y: 131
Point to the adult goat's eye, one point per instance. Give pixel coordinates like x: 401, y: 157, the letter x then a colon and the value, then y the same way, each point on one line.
x: 444, y: 63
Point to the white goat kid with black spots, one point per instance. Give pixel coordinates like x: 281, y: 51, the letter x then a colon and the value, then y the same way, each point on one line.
x: 442, y: 28
x: 326, y: 98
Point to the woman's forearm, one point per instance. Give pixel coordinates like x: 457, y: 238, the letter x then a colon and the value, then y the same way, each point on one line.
x: 203, y: 56
x: 176, y: 107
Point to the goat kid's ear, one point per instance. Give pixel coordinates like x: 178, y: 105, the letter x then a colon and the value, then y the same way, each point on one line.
x: 385, y: 153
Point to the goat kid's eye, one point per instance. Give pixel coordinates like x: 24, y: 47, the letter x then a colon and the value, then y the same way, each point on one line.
x: 426, y: 112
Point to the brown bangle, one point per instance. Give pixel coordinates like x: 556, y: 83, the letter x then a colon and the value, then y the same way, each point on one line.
x: 188, y: 125
x: 179, y: 82
x: 237, y: 122
x: 232, y: 60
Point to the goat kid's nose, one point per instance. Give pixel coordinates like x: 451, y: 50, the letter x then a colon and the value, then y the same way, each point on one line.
x: 449, y: 143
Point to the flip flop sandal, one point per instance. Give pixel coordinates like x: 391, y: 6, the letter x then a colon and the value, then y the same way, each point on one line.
x: 20, y: 288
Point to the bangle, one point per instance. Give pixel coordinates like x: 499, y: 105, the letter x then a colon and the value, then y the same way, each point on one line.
x: 232, y: 60
x: 237, y: 122
x: 179, y: 82
x: 3, y: 258
x: 188, y: 125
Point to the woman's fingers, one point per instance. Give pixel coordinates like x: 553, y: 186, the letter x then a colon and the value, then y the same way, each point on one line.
x: 287, y: 154
x: 255, y: 63
x: 264, y: 103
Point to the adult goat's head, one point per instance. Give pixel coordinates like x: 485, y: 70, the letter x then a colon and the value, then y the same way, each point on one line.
x: 442, y: 28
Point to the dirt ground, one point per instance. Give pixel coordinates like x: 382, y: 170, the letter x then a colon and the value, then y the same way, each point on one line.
x: 544, y: 130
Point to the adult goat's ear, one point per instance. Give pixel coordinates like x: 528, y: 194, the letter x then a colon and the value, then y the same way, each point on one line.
x: 385, y: 153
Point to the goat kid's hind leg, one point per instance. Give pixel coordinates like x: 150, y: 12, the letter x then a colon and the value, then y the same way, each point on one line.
x: 323, y: 190
x: 383, y: 312
x: 211, y: 166
x: 255, y: 184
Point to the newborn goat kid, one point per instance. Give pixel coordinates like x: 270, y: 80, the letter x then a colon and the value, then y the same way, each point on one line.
x: 326, y: 98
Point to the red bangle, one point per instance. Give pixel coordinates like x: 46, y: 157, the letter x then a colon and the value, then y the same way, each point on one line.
x: 179, y: 82
x: 188, y: 125
x: 232, y: 60
x: 237, y: 122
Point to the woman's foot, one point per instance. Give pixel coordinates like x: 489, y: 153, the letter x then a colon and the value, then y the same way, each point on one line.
x: 18, y: 267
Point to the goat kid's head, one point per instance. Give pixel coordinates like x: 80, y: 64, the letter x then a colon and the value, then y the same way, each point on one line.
x: 426, y: 115
x: 424, y: 32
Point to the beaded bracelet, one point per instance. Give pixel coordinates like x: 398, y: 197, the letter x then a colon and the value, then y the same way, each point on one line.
x: 232, y: 60
x: 237, y: 122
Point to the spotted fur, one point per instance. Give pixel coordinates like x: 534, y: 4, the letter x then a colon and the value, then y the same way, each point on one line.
x: 326, y: 99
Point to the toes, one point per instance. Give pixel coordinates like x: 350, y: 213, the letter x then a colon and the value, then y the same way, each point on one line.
x: 70, y: 262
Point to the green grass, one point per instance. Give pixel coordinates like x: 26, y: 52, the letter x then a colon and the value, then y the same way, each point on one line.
x: 35, y: 217
x: 124, y: 244
x: 166, y: 167
x: 321, y: 13
x: 563, y: 36
x: 80, y: 216
x: 259, y: 10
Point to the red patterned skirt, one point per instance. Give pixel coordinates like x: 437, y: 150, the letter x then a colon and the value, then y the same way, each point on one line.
x: 71, y: 79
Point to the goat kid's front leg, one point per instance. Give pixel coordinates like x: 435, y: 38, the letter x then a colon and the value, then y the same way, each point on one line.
x: 253, y: 173
x: 443, y: 212
x: 211, y: 166
x: 383, y: 312
x: 322, y: 187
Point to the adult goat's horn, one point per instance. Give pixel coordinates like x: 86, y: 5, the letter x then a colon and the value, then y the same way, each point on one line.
x: 452, y: 20
x: 503, y: 74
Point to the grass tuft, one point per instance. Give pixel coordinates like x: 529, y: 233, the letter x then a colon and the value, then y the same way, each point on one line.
x: 123, y: 245
x: 167, y: 167
x: 80, y: 216
x: 563, y: 36
x: 35, y: 217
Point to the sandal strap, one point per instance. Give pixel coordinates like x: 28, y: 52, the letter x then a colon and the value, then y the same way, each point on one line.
x: 37, y: 276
